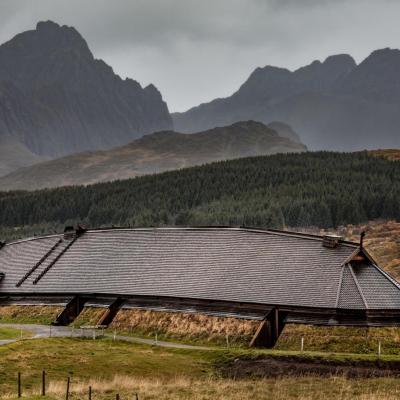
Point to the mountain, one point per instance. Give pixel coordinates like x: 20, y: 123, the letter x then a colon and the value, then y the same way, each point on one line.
x: 154, y: 153
x: 14, y: 155
x: 57, y: 99
x: 335, y: 105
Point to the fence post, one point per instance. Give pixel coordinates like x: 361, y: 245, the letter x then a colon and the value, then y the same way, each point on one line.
x: 43, y: 383
x: 136, y: 396
x: 90, y: 393
x: 117, y: 396
x: 302, y: 344
x: 19, y: 385
x: 67, y: 392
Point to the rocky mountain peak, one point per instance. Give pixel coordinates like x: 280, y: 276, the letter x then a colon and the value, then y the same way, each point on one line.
x: 53, y: 34
x: 377, y: 78
x: 342, y: 61
x: 58, y: 99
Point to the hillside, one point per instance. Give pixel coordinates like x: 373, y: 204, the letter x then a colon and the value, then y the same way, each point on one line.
x: 306, y: 189
x: 57, y: 99
x: 333, y: 105
x: 155, y: 153
x: 14, y: 155
x: 390, y: 154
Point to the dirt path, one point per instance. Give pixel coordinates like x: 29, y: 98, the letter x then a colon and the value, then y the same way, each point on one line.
x: 46, y: 331
x: 297, y: 366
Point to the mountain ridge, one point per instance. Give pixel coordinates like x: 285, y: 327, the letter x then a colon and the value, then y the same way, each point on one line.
x: 333, y: 105
x: 157, y: 152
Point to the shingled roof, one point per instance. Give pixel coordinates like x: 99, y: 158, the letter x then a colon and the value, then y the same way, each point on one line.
x: 227, y: 264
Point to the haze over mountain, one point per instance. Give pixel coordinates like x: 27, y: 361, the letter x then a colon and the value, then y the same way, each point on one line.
x: 14, y: 155
x: 57, y: 99
x: 335, y: 105
x: 154, y: 153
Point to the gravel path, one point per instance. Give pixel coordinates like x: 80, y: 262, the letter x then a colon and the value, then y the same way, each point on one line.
x: 45, y: 331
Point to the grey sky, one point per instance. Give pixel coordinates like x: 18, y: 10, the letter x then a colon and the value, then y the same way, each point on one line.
x: 194, y: 51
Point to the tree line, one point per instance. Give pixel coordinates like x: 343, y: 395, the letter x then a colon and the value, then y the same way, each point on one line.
x: 323, y: 189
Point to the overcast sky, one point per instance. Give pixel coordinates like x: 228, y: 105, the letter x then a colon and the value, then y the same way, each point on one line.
x: 194, y: 51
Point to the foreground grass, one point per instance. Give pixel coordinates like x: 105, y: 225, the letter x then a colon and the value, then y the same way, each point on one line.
x: 159, y: 373
x: 83, y: 359
x: 10, y: 333
x: 223, y: 389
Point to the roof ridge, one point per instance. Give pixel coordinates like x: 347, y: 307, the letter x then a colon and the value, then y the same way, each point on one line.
x: 301, y: 235
x: 339, y: 286
x: 358, y: 285
x: 32, y: 238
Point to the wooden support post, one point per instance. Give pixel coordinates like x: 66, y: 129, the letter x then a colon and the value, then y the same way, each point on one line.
x: 43, y: 383
x: 71, y: 311
x: 110, y: 313
x: 19, y: 385
x: 90, y: 393
x: 117, y: 396
x: 269, y: 329
x: 67, y: 392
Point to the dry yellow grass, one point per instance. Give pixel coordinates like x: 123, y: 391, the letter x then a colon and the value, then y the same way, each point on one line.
x: 89, y: 316
x: 179, y: 388
x: 29, y: 314
x: 191, y: 327
x: 390, y: 154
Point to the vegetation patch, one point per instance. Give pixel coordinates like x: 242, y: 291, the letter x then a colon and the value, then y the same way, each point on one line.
x: 189, y: 327
x: 111, y: 367
x: 11, y: 333
x: 89, y: 316
x: 29, y: 314
x: 85, y: 359
x: 390, y: 154
x: 340, y: 339
x: 297, y: 388
x: 270, y: 366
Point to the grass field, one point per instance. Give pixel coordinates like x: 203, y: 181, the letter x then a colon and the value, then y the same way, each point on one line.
x: 10, y: 333
x: 156, y: 373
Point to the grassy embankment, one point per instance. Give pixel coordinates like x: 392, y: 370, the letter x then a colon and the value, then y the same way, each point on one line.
x: 28, y: 314
x: 212, y: 331
x: 156, y: 373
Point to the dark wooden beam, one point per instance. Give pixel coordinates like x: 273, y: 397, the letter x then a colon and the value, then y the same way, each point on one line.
x: 71, y: 311
x: 269, y: 329
x: 110, y: 313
